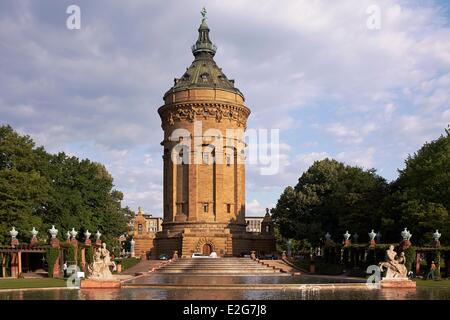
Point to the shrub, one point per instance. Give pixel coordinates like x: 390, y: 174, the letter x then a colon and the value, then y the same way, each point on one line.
x: 51, y: 255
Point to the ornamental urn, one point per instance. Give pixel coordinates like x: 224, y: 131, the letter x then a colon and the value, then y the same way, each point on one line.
x: 347, y: 235
x: 13, y: 233
x: 436, y: 236
x: 73, y: 233
x: 372, y: 235
x: 53, y: 232
x: 328, y: 236
x: 87, y: 234
x: 34, y: 232
x: 98, y: 235
x: 406, y: 235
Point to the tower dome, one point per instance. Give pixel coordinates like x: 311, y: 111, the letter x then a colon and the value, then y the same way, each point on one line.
x: 203, y: 71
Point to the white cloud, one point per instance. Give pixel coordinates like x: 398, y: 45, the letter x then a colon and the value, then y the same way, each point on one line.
x: 95, y: 92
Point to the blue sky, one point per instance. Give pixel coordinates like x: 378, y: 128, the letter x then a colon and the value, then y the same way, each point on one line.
x: 311, y: 69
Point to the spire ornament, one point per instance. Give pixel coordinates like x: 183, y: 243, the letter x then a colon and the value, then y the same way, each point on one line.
x: 203, y: 13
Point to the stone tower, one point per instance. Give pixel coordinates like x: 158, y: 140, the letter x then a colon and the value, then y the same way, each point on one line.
x: 203, y: 119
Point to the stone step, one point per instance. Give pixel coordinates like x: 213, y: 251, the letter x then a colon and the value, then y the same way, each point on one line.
x: 217, y: 266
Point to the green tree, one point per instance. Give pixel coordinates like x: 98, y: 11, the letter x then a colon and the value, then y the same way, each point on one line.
x: 331, y: 197
x: 420, y: 198
x: 23, y: 189
x: 40, y: 189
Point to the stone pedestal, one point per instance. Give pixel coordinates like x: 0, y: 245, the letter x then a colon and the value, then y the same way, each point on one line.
x: 98, y: 242
x: 100, y: 284
x: 14, y: 242
x: 87, y: 242
x: 436, y: 243
x: 312, y: 267
x: 399, y: 283
x: 54, y: 242
x: 405, y: 244
x: 33, y: 241
x: 372, y: 244
x: 347, y: 243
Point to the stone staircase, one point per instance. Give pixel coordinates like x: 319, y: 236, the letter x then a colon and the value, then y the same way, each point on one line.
x: 236, y: 266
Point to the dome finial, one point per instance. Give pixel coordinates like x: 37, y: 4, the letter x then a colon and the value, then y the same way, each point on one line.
x: 203, y: 44
x: 203, y: 13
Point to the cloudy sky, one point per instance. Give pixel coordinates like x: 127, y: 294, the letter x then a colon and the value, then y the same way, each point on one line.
x: 312, y: 69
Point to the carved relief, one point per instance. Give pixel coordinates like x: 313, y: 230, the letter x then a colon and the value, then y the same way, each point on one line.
x: 217, y: 111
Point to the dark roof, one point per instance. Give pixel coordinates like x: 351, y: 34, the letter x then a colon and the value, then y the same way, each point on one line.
x: 204, y: 72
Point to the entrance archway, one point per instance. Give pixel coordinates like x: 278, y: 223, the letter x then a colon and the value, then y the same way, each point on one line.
x: 207, y: 249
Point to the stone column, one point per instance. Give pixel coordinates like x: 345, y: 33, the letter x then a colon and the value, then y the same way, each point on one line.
x: 14, y: 242
x: 83, y: 259
x: 192, y: 188
x: 417, y: 263
x: 218, y: 205
x: 14, y: 267
x: 405, y: 244
x: 19, y: 263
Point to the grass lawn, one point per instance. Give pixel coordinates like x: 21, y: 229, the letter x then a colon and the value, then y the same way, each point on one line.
x: 129, y: 262
x: 31, y: 283
x: 433, y: 283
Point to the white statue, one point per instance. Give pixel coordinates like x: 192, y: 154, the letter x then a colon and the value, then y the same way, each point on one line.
x: 99, y: 269
x: 394, y: 264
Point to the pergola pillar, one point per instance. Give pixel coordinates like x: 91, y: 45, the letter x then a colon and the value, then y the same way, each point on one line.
x: 417, y: 263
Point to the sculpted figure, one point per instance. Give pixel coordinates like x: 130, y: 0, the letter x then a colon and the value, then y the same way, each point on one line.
x: 99, y: 268
x: 394, y: 264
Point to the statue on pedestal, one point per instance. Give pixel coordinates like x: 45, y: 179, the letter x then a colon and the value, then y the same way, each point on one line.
x: 394, y: 264
x: 99, y: 269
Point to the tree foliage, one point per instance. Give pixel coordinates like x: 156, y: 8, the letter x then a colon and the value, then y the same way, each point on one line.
x: 41, y: 189
x: 333, y: 197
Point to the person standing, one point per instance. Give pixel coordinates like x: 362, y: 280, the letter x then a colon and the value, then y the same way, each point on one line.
x: 65, y: 269
x: 432, y: 273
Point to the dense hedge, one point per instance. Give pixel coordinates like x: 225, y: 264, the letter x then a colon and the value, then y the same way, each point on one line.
x: 51, y: 255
